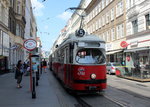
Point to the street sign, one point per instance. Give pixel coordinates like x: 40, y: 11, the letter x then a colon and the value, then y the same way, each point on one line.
x: 30, y: 44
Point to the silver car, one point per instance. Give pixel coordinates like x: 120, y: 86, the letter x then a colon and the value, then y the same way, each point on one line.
x: 112, y: 66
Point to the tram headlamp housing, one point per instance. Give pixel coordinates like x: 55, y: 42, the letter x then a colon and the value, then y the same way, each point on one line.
x: 93, y: 76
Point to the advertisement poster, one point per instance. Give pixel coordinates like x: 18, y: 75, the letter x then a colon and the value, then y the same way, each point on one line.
x: 35, y: 63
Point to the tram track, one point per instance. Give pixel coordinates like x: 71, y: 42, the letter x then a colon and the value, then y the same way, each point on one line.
x: 81, y: 102
x: 118, y: 102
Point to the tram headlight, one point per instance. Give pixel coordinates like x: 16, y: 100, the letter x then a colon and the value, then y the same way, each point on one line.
x: 93, y: 76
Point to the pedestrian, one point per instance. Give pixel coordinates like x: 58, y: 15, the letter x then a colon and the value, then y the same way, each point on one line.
x: 19, y: 73
x: 25, y: 67
x: 44, y: 65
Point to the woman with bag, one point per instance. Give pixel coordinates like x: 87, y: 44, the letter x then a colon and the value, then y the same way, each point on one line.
x: 19, y: 73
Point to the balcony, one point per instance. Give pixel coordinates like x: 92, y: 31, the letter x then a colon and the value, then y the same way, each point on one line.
x: 134, y: 11
x: 20, y: 18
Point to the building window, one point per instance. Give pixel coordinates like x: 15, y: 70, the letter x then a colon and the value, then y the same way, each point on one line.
x: 107, y: 17
x: 113, y: 34
x: 122, y: 30
x: 118, y: 32
x: 131, y: 3
x: 112, y: 14
x: 147, y: 18
x: 103, y: 36
x: 103, y: 20
x: 134, y: 26
x: 103, y: 4
x: 99, y: 7
x: 17, y: 29
x: 18, y: 8
x: 108, y: 36
x: 107, y: 2
x: 99, y: 23
x: 119, y: 9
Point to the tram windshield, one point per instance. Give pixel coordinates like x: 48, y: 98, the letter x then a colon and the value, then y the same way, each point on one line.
x: 90, y: 56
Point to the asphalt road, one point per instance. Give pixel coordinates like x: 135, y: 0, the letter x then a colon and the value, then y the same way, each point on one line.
x: 119, y: 93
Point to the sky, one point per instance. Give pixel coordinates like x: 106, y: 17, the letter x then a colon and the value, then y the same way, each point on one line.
x: 51, y: 17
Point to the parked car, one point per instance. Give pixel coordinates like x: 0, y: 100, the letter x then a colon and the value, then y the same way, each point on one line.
x: 113, y: 66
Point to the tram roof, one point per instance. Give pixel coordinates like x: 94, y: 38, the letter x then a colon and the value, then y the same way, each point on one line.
x: 86, y: 38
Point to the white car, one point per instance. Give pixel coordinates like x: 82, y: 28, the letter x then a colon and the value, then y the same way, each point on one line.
x: 112, y: 66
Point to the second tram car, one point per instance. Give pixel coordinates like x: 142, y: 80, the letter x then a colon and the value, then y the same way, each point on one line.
x: 79, y: 62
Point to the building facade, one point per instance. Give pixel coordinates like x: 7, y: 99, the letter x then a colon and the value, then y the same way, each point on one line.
x: 31, y: 26
x: 107, y: 19
x: 17, y: 29
x: 4, y: 36
x: 75, y: 20
x: 138, y: 38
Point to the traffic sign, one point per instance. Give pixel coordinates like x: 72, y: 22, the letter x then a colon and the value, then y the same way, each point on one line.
x: 30, y: 44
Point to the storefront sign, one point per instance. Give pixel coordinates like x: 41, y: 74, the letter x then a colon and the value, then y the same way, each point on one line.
x: 134, y: 43
x: 30, y: 44
x: 124, y: 44
x: 109, y: 46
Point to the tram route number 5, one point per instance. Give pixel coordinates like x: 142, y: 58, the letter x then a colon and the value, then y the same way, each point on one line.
x: 80, y: 33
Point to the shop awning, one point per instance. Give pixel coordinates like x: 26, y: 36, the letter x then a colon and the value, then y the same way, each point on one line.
x: 137, y: 49
x: 112, y: 52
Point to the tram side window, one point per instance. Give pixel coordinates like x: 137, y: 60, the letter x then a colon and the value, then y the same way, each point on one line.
x: 90, y: 56
x: 62, y: 56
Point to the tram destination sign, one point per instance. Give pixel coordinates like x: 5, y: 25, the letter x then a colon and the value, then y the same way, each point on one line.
x: 30, y: 44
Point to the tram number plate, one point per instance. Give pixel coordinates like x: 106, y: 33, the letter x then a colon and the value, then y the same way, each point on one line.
x: 92, y: 87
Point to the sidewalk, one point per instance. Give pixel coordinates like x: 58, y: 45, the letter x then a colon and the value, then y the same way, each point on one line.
x: 10, y: 96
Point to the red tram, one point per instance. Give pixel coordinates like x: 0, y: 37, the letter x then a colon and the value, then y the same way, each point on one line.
x: 79, y: 62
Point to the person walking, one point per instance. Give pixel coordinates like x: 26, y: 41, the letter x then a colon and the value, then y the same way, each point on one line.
x: 44, y: 65
x: 19, y: 73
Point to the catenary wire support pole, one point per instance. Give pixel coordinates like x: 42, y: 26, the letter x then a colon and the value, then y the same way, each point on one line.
x: 80, y: 15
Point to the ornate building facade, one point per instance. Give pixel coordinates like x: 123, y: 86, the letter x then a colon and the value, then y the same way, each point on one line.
x: 4, y: 36
x: 107, y: 19
x: 17, y: 23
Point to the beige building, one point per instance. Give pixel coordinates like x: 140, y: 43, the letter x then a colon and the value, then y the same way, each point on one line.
x: 4, y: 36
x: 17, y: 29
x: 107, y: 19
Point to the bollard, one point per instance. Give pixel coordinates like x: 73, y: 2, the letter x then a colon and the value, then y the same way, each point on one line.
x: 33, y: 89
